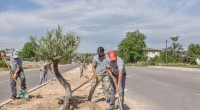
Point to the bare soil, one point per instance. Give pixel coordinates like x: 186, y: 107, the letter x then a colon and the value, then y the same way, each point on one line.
x: 46, y: 97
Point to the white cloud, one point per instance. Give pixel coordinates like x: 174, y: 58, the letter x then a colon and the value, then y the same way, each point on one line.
x: 104, y: 20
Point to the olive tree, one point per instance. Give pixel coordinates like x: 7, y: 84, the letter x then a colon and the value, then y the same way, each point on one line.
x: 84, y: 60
x: 54, y: 47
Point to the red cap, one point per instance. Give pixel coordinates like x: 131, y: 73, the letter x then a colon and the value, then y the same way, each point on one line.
x: 112, y: 55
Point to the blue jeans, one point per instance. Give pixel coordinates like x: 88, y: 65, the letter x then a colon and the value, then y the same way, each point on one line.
x: 113, y: 89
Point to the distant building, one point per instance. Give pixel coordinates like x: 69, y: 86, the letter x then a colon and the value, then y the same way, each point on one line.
x: 151, y: 53
x: 198, y: 61
x: 9, y: 51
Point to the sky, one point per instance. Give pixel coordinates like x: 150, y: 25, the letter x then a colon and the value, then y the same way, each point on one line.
x: 100, y: 22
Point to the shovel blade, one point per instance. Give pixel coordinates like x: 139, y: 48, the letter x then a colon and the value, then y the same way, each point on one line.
x: 23, y: 95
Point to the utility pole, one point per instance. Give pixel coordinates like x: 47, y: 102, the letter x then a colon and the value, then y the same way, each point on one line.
x: 166, y: 52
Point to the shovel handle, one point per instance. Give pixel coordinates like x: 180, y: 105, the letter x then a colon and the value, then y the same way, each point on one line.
x: 18, y: 85
x: 87, y: 81
x: 119, y: 99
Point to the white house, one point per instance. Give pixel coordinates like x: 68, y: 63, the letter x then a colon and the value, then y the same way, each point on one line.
x: 151, y: 53
x: 198, y: 61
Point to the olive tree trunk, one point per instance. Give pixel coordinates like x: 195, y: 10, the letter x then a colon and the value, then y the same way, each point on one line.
x: 81, y: 69
x: 65, y: 84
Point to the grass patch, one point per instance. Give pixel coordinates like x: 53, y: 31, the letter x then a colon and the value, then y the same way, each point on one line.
x: 145, y: 63
x: 4, y: 69
x: 129, y: 64
x: 180, y: 65
x: 142, y: 63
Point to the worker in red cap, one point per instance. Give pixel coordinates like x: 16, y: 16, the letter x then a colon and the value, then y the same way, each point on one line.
x: 117, y: 72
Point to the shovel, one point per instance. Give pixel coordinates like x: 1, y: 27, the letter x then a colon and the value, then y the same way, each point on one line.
x: 23, y: 94
x: 88, y: 81
x: 118, y: 95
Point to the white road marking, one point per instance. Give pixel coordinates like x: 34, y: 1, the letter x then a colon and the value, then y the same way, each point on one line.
x: 159, y: 83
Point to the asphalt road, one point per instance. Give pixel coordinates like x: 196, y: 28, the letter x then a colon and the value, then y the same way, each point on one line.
x: 164, y: 89
x: 32, y: 80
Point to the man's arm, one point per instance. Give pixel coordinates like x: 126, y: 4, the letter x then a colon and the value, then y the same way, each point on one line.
x: 120, y: 64
x: 18, y: 68
x: 17, y: 71
x: 94, y: 69
x: 110, y: 74
x: 94, y: 65
x: 108, y: 70
x: 50, y: 68
x: 119, y: 79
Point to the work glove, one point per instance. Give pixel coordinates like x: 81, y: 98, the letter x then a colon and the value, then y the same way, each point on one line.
x: 14, y: 76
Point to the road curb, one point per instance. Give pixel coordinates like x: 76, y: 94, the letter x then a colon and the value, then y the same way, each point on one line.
x: 33, y: 89
x: 6, y: 102
x: 37, y: 87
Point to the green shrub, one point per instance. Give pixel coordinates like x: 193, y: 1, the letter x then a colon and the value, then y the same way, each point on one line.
x: 2, y: 64
x: 129, y: 64
x: 29, y: 59
x: 142, y: 63
x: 193, y: 61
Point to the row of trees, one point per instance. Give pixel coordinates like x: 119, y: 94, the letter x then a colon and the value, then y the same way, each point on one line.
x: 131, y: 49
x: 84, y: 59
x: 56, y: 47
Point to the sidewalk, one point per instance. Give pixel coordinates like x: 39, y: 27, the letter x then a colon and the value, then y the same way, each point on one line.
x: 177, y: 68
